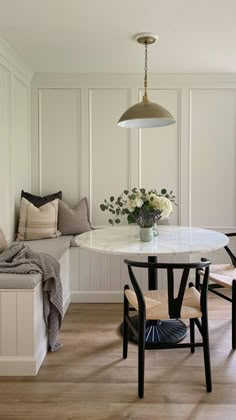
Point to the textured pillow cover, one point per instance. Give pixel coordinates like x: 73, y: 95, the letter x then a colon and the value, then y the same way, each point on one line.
x: 38, y: 201
x: 37, y: 223
x: 73, y: 221
x: 3, y: 242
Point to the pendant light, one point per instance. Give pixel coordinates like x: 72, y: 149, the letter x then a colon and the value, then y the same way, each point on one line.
x: 146, y: 114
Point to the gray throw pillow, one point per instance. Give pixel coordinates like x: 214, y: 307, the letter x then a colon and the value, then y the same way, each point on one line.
x: 73, y: 221
x: 3, y: 242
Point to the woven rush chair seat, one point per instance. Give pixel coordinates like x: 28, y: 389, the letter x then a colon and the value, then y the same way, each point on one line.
x: 223, y: 274
x: 157, y: 303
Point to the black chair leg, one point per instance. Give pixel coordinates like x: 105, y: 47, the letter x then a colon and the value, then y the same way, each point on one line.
x: 206, y: 352
x: 197, y: 281
x: 234, y: 314
x: 141, y: 357
x: 192, y: 334
x: 125, y: 327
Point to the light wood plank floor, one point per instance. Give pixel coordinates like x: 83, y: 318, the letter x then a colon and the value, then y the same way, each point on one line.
x: 88, y: 379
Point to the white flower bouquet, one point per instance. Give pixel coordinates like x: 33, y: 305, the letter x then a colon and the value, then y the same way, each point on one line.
x: 142, y: 207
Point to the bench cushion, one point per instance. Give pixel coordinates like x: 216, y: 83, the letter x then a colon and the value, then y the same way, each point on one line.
x: 19, y: 281
x: 55, y: 247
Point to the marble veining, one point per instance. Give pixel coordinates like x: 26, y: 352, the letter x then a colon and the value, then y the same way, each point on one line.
x: 170, y: 240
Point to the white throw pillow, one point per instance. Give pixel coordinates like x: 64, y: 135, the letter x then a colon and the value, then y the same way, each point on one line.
x: 38, y: 222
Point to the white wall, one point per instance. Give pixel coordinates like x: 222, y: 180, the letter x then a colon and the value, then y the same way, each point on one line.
x: 77, y: 146
x: 14, y: 135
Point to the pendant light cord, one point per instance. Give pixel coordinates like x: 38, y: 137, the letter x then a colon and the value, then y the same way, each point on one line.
x: 145, y: 97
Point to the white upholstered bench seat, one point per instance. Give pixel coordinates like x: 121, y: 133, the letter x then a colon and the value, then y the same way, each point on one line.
x: 19, y: 281
x: 23, y: 334
x: 55, y: 247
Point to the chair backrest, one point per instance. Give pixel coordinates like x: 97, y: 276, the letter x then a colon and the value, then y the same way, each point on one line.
x: 174, y: 301
x: 228, y: 250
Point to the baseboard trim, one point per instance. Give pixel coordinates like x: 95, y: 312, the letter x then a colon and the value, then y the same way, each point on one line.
x: 17, y: 366
x: 23, y: 365
x: 41, y: 354
x: 97, y: 297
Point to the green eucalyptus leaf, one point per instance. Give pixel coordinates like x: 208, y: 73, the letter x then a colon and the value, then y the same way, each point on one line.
x: 163, y: 191
x: 102, y: 207
x: 131, y: 218
x: 117, y: 221
x: 112, y: 199
x: 111, y: 221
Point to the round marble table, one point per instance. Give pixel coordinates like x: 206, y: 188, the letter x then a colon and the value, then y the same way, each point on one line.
x: 172, y: 240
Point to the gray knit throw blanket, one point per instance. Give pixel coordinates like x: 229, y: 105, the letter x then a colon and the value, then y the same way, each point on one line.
x: 19, y: 259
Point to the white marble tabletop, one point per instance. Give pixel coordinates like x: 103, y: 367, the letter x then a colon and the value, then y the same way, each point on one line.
x: 125, y: 240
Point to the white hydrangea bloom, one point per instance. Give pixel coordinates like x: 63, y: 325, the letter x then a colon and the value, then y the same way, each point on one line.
x: 154, y: 200
x: 132, y: 204
x: 138, y: 193
x: 161, y: 203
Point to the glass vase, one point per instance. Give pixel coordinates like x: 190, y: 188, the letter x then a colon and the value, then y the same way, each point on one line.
x: 146, y: 234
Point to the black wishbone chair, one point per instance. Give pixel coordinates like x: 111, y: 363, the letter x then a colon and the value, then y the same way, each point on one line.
x: 224, y: 277
x: 182, y: 302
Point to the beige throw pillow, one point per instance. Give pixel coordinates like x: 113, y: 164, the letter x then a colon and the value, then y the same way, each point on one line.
x: 3, y: 242
x: 73, y: 221
x: 37, y: 223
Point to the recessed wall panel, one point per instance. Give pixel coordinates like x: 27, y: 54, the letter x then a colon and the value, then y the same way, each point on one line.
x: 5, y: 163
x: 109, y: 148
x: 213, y: 154
x: 59, y: 139
x: 20, y: 142
x: 159, y: 150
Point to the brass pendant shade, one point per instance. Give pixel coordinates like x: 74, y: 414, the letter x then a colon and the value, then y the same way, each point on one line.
x: 146, y: 114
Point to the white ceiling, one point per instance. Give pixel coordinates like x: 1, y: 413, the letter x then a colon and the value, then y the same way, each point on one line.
x: 96, y: 35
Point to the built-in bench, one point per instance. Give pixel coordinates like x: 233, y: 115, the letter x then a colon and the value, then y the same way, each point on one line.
x: 87, y: 276
x: 23, y: 335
